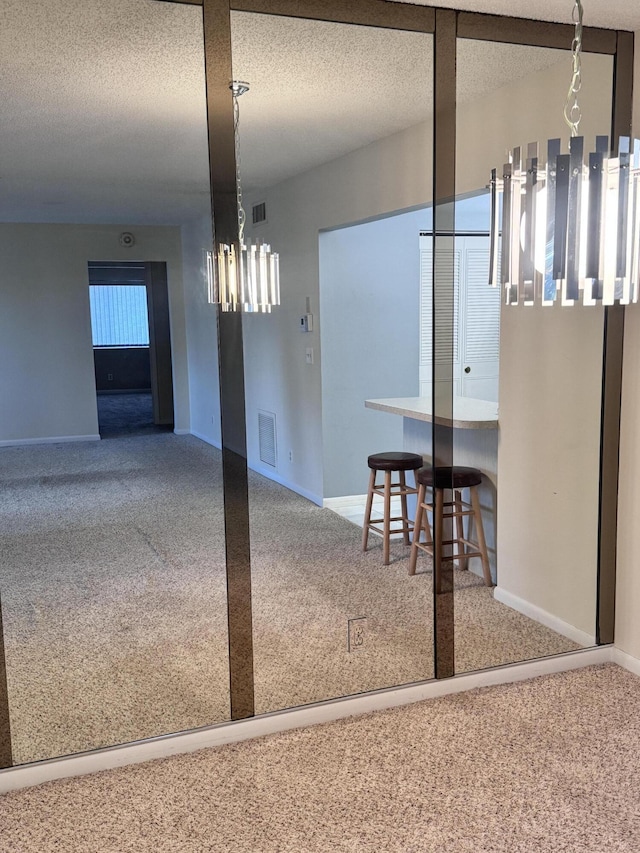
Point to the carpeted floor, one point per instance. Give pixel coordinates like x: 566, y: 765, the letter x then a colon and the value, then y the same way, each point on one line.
x: 126, y: 414
x: 113, y: 595
x: 542, y: 766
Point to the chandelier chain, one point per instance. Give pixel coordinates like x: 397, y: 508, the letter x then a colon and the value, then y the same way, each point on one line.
x: 572, y: 111
x: 236, y: 126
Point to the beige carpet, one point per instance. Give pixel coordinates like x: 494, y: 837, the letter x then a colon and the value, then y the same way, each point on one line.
x: 113, y: 595
x: 543, y: 766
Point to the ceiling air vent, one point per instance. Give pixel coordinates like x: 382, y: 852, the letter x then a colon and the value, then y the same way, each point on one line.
x: 267, y: 437
x: 259, y: 213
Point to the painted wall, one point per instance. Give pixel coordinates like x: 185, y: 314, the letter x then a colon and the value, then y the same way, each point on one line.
x: 388, y: 176
x: 47, y: 382
x: 529, y: 110
x: 627, y: 635
x: 337, y: 193
x: 202, y: 335
x: 369, y: 298
x: 548, y: 459
x: 122, y: 368
x: 550, y: 389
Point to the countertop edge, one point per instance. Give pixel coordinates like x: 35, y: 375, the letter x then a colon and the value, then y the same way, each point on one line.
x: 428, y: 418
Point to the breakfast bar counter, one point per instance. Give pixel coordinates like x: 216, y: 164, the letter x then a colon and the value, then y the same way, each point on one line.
x: 475, y: 444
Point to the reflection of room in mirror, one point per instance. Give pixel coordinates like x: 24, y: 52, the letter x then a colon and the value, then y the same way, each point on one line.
x: 550, y: 380
x: 112, y: 578
x: 113, y: 582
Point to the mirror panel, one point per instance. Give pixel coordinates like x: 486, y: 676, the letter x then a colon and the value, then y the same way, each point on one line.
x: 534, y: 372
x: 113, y: 581
x: 342, y: 165
x: 113, y: 570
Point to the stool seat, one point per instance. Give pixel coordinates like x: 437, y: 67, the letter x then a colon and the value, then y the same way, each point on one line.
x: 395, y: 461
x: 462, y: 547
x: 454, y: 477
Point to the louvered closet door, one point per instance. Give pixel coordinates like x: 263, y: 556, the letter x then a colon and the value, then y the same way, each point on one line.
x: 480, y: 322
x: 476, y: 319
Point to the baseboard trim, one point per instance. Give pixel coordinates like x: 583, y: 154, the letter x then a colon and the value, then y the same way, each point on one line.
x: 544, y: 617
x: 282, y: 481
x: 346, y: 500
x: 269, y: 474
x: 213, y: 442
x: 14, y: 778
x: 626, y: 661
x: 48, y: 439
x: 182, y: 432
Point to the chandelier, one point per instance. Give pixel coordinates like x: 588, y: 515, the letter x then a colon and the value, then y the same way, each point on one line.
x: 570, y: 222
x: 245, y: 277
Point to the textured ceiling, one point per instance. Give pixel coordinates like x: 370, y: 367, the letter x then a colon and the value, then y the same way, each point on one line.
x: 103, y: 108
x: 320, y: 90
x: 610, y: 14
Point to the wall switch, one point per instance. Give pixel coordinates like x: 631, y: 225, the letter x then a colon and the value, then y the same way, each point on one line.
x: 306, y: 323
x: 110, y: 377
x: 309, y: 355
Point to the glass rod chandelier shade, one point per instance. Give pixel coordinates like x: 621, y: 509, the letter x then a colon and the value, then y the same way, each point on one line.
x: 248, y: 280
x: 243, y: 277
x: 570, y: 221
x: 570, y: 225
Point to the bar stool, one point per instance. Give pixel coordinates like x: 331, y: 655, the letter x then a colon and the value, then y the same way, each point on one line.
x: 390, y: 463
x: 452, y: 479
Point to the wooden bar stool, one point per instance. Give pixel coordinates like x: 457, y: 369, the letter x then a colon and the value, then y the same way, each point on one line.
x: 452, y: 479
x: 390, y: 463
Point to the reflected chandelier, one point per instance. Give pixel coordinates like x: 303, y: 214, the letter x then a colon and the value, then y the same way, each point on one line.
x: 244, y: 277
x: 570, y: 226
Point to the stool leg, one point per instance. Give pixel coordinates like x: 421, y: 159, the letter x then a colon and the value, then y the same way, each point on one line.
x: 462, y: 562
x: 403, y: 503
x: 367, y: 512
x: 482, y: 544
x: 437, y: 532
x: 417, y: 530
x: 387, y: 517
x: 427, y: 524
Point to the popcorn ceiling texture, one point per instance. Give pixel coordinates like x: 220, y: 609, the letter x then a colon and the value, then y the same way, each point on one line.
x: 104, y: 114
x: 542, y: 766
x: 614, y: 14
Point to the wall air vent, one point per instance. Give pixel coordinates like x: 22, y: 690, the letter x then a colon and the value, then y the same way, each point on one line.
x: 267, y: 437
x: 259, y: 213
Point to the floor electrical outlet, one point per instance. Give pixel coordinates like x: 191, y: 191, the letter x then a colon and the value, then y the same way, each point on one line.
x: 355, y: 633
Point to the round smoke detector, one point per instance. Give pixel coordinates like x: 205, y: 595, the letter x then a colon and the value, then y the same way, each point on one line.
x: 127, y: 239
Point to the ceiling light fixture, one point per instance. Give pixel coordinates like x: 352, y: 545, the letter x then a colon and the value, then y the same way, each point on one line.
x: 245, y: 277
x: 570, y: 227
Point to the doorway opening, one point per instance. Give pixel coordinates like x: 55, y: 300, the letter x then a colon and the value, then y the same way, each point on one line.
x: 131, y: 347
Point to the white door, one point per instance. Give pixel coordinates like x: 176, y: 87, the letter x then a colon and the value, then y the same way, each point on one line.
x: 476, y: 319
x: 480, y: 318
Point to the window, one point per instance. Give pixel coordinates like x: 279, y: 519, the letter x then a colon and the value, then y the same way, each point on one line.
x: 119, y: 315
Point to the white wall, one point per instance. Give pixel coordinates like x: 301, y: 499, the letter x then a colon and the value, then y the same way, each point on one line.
x: 47, y: 384
x: 627, y: 635
x: 202, y: 333
x: 529, y: 110
x: 369, y: 298
x: 548, y: 459
x: 550, y: 386
x: 386, y: 176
